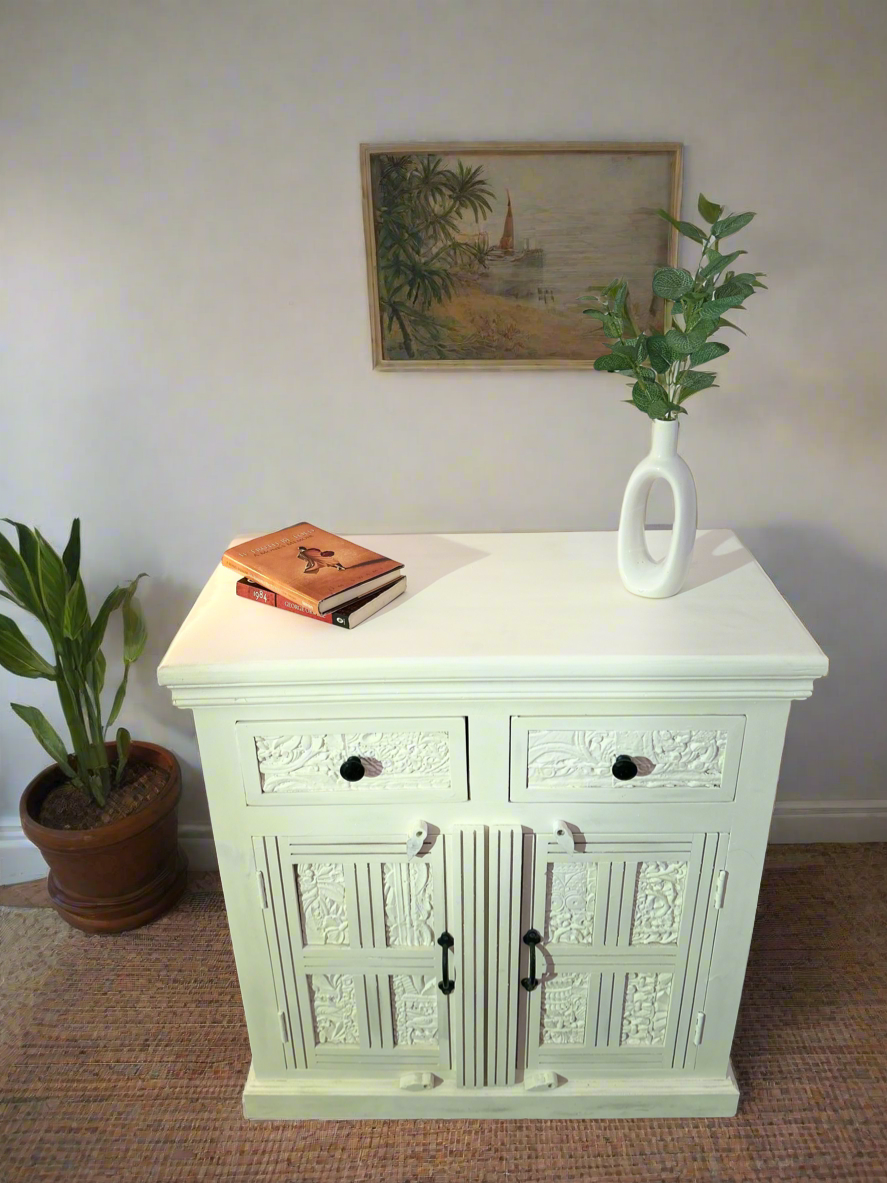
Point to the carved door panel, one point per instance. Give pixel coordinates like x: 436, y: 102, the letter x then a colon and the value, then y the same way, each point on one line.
x: 626, y: 928
x: 357, y: 924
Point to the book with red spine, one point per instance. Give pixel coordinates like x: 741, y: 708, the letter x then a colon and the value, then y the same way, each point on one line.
x: 346, y: 616
x: 313, y: 568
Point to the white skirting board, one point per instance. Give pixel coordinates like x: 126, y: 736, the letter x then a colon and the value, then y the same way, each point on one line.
x: 21, y: 861
x: 793, y: 821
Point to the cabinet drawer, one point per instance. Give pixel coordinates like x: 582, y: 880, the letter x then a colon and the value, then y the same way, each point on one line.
x: 670, y: 758
x: 290, y: 763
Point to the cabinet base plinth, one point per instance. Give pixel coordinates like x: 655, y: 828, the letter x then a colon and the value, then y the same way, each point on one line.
x: 353, y: 1099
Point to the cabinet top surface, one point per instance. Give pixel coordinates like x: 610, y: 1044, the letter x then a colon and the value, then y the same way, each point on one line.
x: 510, y: 605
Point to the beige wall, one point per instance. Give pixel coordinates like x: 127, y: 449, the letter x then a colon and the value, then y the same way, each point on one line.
x: 185, y: 335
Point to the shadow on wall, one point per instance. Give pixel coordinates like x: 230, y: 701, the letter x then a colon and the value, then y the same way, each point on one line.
x: 166, y: 604
x: 836, y: 747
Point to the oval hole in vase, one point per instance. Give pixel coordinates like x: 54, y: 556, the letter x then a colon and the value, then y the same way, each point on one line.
x: 659, y: 513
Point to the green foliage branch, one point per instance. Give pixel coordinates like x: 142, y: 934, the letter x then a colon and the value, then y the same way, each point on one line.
x: 50, y: 588
x: 419, y: 206
x: 664, y: 366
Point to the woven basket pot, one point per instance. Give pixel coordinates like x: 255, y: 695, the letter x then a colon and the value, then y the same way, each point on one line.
x: 119, y: 876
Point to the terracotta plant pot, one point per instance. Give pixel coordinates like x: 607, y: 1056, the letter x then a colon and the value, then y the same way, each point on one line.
x: 118, y: 876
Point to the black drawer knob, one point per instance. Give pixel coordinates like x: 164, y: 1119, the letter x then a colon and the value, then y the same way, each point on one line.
x: 625, y: 768
x: 352, y: 769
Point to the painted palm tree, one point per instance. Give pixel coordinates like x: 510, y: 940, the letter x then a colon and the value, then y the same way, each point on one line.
x: 420, y: 205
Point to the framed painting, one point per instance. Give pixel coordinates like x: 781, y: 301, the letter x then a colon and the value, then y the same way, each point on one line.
x: 480, y: 255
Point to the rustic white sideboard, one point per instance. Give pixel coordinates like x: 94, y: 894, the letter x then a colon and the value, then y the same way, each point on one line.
x: 496, y: 852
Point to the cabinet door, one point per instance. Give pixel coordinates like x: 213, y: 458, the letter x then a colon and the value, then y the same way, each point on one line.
x: 627, y: 926
x: 357, y: 924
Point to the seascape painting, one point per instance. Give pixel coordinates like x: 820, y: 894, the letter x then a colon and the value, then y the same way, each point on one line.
x: 481, y: 255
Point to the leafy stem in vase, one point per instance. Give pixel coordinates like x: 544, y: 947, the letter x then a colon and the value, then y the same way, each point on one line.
x: 664, y: 367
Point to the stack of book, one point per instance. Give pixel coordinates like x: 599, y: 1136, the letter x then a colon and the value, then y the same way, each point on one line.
x: 317, y: 574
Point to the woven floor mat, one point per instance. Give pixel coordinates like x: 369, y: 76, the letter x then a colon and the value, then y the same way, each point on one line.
x: 122, y: 1060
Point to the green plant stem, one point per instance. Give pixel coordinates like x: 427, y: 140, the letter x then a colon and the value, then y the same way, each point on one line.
x: 74, y: 720
x: 84, y: 724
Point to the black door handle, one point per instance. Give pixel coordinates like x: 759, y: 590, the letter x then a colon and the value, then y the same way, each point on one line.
x: 352, y: 769
x: 446, y: 985
x: 625, y: 768
x: 531, y: 938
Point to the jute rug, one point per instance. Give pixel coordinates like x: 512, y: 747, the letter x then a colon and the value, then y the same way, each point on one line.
x: 122, y: 1060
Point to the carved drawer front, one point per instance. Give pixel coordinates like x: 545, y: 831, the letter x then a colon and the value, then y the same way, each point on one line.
x: 343, y: 762
x: 353, y: 928
x: 627, y: 926
x: 625, y: 759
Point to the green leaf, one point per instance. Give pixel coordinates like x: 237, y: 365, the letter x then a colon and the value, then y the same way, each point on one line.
x: 734, y: 287
x: 729, y: 225
x: 19, y: 656
x: 76, y: 611
x: 638, y: 347
x: 725, y: 324
x: 124, y: 742
x: 708, y: 209
x: 751, y: 278
x: 682, y: 344
x: 46, y: 735
x: 53, y: 581
x: 695, y: 380
x: 619, y: 296
x: 597, y: 312
x: 685, y: 228
x: 659, y: 353
x: 717, y: 262
x: 613, y: 325
x: 16, y: 578
x: 712, y: 309
x: 672, y: 282
x: 708, y: 352
x: 612, y: 363
x: 71, y: 554
x: 101, y: 666
x: 27, y: 545
x: 650, y: 398
x: 118, y: 697
x: 113, y: 600
x: 135, y: 631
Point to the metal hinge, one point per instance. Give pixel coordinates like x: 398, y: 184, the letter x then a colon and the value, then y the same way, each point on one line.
x: 263, y: 894
x: 284, y: 1029
x: 720, y: 889
x: 699, y: 1028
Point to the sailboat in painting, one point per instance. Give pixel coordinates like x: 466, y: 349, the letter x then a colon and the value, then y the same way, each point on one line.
x: 517, y: 274
x: 506, y: 242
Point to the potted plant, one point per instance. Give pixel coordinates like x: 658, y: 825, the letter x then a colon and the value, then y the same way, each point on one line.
x: 664, y: 371
x: 103, y: 815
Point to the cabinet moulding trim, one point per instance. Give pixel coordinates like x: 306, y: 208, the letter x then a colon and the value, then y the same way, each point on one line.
x: 617, y: 1096
x: 509, y: 690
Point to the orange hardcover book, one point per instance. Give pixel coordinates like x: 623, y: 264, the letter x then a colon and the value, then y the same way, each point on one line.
x: 312, y: 566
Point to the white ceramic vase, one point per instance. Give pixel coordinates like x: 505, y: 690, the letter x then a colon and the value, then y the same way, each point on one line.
x: 639, y: 571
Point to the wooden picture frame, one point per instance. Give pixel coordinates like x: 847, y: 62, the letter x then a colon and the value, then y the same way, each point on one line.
x: 444, y: 294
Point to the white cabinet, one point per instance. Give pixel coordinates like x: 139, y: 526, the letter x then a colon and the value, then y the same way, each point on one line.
x: 495, y: 867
